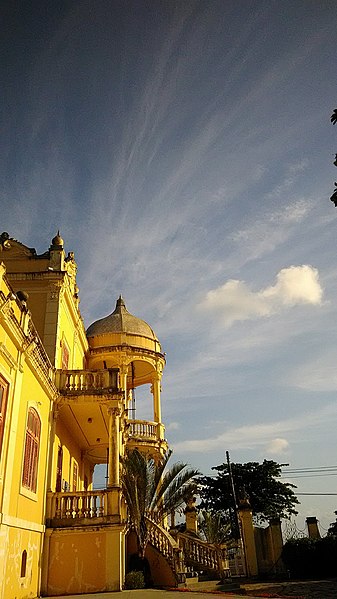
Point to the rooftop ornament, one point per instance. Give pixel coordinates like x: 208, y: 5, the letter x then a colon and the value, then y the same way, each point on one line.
x: 57, y: 241
x: 4, y: 243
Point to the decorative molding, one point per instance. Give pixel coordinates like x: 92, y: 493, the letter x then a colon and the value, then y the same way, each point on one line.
x: 129, y: 350
x: 5, y: 354
x: 25, y: 524
x: 114, y: 411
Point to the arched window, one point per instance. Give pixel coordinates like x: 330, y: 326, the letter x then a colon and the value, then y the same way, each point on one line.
x: 32, y: 445
x: 23, y: 564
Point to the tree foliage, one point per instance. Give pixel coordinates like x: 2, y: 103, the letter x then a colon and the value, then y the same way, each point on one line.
x: 213, y: 527
x: 152, y: 491
x: 268, y: 496
x: 332, y: 531
x: 311, y: 558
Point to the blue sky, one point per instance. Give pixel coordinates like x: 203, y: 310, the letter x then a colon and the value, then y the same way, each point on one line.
x: 184, y: 150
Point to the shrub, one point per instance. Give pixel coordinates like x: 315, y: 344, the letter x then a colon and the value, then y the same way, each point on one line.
x: 134, y: 580
x: 299, y: 557
x: 310, y: 558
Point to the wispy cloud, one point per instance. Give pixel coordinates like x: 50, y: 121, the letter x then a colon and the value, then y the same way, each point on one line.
x: 317, y: 375
x: 263, y: 435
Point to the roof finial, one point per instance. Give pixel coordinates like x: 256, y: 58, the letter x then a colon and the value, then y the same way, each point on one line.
x: 57, y: 240
x: 120, y: 303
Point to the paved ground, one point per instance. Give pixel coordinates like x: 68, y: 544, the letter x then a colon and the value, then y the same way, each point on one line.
x: 308, y: 589
x: 150, y: 594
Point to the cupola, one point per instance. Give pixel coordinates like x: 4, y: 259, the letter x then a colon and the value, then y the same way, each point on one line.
x: 121, y: 327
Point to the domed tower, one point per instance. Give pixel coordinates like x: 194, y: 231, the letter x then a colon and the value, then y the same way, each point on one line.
x: 128, y: 343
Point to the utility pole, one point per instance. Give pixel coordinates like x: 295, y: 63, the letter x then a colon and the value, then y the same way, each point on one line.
x: 234, y: 518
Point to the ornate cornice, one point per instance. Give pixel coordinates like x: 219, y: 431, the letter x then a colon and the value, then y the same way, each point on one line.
x: 128, y: 350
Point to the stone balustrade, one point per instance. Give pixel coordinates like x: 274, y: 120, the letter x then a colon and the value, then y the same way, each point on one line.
x: 145, y: 433
x: 204, y: 555
x: 143, y: 429
x: 76, y: 505
x: 87, y: 382
x: 168, y: 547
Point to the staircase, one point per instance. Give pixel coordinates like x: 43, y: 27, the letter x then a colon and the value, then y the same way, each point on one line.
x: 203, y: 556
x: 187, y: 551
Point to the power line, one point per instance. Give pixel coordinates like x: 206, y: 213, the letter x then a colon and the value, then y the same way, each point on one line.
x: 316, y: 494
x: 309, y: 469
x: 312, y: 475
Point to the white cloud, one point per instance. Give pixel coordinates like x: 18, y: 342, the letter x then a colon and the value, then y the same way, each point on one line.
x: 294, y: 285
x: 173, y: 426
x: 277, y: 446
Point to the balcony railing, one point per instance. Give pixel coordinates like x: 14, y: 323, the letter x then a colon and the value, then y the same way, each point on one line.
x: 77, y: 505
x: 88, y: 382
x: 142, y: 429
x: 144, y: 432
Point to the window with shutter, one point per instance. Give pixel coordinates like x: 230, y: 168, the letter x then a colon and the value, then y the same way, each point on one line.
x: 31, y: 455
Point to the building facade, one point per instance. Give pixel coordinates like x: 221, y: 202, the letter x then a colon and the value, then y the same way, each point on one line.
x: 66, y: 405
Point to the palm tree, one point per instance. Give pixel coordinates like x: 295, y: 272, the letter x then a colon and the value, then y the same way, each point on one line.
x: 152, y: 493
x: 213, y: 527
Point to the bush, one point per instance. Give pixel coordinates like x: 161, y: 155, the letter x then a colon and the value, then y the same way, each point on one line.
x: 134, y: 580
x: 311, y: 558
x: 299, y: 557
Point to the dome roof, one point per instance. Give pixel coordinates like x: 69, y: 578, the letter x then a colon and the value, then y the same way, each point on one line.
x: 121, y: 321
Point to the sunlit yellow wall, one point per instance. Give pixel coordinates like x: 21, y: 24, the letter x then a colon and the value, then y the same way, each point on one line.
x: 21, y: 503
x: 85, y: 561
x: 21, y: 511
x: 50, y: 281
x: 15, y: 586
x: 71, y: 332
x: 71, y: 453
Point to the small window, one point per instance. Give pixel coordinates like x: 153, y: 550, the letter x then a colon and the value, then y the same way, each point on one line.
x: 75, y: 476
x: 23, y: 564
x: 3, y: 406
x: 32, y: 446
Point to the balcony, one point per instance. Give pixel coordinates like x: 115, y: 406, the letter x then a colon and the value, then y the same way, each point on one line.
x: 145, y: 434
x: 88, y: 382
x: 79, y: 508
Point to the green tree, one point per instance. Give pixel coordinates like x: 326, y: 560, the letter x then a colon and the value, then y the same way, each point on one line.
x: 268, y: 496
x: 152, y: 492
x: 332, y: 530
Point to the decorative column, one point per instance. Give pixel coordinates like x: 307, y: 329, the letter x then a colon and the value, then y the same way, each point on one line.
x: 276, y: 542
x: 312, y: 525
x: 191, y: 515
x: 156, y: 389
x: 113, y: 473
x: 54, y: 414
x: 123, y: 373
x: 247, y: 530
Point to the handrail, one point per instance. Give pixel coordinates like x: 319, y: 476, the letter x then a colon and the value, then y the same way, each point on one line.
x: 167, y: 546
x: 203, y: 554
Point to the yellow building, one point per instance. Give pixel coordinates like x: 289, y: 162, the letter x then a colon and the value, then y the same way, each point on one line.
x: 66, y: 405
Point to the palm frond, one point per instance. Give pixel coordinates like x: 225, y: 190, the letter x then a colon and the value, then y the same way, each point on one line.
x: 150, y: 491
